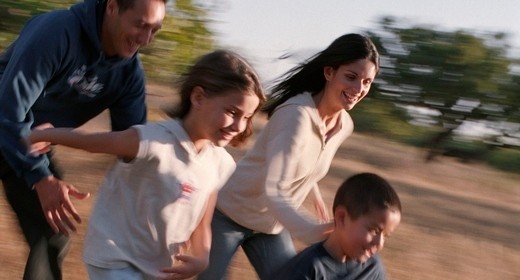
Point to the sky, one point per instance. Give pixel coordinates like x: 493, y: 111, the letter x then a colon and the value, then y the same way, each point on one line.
x: 263, y: 30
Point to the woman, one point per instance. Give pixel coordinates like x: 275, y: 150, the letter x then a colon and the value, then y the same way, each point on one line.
x: 308, y: 121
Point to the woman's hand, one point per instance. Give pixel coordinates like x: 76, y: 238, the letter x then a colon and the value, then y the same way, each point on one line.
x: 320, y: 206
x: 321, y: 211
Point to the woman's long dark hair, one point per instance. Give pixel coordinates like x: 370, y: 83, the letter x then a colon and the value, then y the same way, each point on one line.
x: 308, y: 76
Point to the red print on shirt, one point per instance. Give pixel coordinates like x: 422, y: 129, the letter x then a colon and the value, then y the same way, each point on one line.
x: 186, y: 191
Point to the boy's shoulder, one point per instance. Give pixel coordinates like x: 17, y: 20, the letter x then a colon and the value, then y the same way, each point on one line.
x: 315, y: 262
x: 310, y: 263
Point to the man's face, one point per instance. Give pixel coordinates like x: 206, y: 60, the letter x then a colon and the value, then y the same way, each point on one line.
x: 125, y: 32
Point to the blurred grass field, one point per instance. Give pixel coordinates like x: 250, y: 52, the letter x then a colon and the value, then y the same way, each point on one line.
x: 460, y: 221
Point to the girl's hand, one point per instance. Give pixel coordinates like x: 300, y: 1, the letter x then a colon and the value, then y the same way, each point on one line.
x: 38, y: 147
x: 189, y: 266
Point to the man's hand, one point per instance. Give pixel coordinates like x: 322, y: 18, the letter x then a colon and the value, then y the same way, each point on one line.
x: 55, y: 201
x: 189, y: 266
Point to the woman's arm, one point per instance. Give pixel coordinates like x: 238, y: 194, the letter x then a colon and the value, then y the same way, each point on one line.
x: 124, y: 143
x: 320, y: 206
x: 292, y: 153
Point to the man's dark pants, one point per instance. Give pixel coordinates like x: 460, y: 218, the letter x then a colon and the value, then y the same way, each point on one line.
x: 47, y: 249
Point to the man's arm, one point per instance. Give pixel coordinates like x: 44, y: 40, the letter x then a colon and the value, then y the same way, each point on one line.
x: 131, y: 108
x: 26, y: 68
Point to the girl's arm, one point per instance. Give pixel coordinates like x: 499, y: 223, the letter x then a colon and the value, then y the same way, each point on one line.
x: 201, y: 236
x: 200, y: 246
x: 124, y: 143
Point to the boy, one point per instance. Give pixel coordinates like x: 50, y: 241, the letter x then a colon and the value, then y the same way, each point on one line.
x: 366, y: 211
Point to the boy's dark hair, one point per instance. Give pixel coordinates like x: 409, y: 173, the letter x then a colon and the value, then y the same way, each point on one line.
x: 365, y: 192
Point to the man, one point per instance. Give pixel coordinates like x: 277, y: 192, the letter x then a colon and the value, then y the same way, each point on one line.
x: 65, y: 68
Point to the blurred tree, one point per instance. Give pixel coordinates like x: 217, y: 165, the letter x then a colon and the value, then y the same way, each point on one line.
x: 457, y: 76
x: 14, y: 13
x: 185, y: 35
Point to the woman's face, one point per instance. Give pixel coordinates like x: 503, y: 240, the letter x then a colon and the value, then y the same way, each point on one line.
x: 349, y: 83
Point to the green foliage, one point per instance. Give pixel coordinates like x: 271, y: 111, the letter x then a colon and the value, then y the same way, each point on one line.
x: 504, y: 159
x: 373, y: 116
x: 461, y: 75
x: 14, y: 13
x: 383, y: 118
x: 184, y: 36
x: 465, y: 150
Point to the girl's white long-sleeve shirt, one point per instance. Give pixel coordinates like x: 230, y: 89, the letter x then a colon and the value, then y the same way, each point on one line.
x: 275, y: 176
x: 146, y: 209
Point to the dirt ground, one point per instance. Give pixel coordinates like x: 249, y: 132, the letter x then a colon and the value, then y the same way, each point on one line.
x: 460, y: 221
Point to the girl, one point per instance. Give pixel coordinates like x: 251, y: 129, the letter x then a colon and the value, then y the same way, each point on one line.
x: 258, y: 206
x: 161, y: 193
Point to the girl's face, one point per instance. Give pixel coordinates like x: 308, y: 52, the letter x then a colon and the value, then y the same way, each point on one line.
x: 362, y: 238
x: 348, y: 84
x: 225, y: 116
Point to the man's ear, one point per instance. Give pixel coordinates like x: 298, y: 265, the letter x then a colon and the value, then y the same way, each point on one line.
x: 112, y: 7
x: 197, y: 96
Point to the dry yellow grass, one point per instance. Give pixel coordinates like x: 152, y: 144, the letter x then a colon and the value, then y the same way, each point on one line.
x: 460, y: 221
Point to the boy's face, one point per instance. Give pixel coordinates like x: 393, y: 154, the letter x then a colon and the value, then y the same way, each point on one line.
x: 362, y: 238
x: 127, y: 31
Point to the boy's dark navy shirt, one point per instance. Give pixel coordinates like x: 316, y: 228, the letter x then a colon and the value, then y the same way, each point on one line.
x: 56, y: 72
x: 315, y: 263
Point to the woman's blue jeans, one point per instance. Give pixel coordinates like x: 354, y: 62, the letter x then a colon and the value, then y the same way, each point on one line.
x: 266, y: 252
